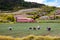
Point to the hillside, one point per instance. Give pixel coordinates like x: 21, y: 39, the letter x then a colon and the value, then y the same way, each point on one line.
x: 27, y: 10
x: 32, y: 10
x: 14, y: 5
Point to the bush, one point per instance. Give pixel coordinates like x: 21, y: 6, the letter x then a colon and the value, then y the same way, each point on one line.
x: 31, y: 13
x: 5, y: 18
x: 57, y: 17
x: 10, y: 18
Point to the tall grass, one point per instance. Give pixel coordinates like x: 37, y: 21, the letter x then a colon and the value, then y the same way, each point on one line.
x: 31, y: 37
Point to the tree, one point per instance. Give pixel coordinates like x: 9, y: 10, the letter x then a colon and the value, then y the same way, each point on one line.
x: 9, y: 4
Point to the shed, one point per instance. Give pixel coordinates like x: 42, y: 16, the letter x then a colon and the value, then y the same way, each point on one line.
x: 57, y: 12
x: 24, y: 19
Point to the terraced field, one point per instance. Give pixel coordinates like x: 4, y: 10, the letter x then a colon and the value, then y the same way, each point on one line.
x: 22, y: 29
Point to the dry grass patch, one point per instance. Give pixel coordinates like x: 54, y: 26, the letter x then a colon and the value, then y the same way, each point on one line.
x: 31, y: 37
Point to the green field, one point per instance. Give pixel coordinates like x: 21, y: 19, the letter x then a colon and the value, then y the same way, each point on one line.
x: 21, y: 29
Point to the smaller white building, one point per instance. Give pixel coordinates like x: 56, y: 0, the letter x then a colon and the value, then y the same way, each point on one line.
x: 44, y: 17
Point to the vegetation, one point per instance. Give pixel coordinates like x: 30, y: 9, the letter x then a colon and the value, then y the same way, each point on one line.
x: 31, y: 37
x: 9, y: 5
x: 48, y: 21
x: 14, y: 5
x: 57, y: 17
x: 5, y: 18
x: 44, y: 11
x: 22, y: 29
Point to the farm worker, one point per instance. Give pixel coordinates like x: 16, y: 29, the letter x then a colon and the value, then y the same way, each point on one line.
x: 10, y: 28
x: 49, y: 29
x: 34, y: 28
x: 38, y: 27
x: 30, y: 28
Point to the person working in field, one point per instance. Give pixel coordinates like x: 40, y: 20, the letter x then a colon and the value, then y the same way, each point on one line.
x: 34, y: 28
x: 10, y: 28
x: 30, y: 28
x: 38, y: 27
x: 49, y: 29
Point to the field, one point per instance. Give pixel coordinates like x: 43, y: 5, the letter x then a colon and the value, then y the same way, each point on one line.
x: 21, y: 29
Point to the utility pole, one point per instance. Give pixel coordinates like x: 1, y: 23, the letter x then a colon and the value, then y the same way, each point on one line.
x: 54, y: 16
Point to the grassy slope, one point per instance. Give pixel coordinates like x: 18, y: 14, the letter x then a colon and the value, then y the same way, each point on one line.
x: 21, y: 29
